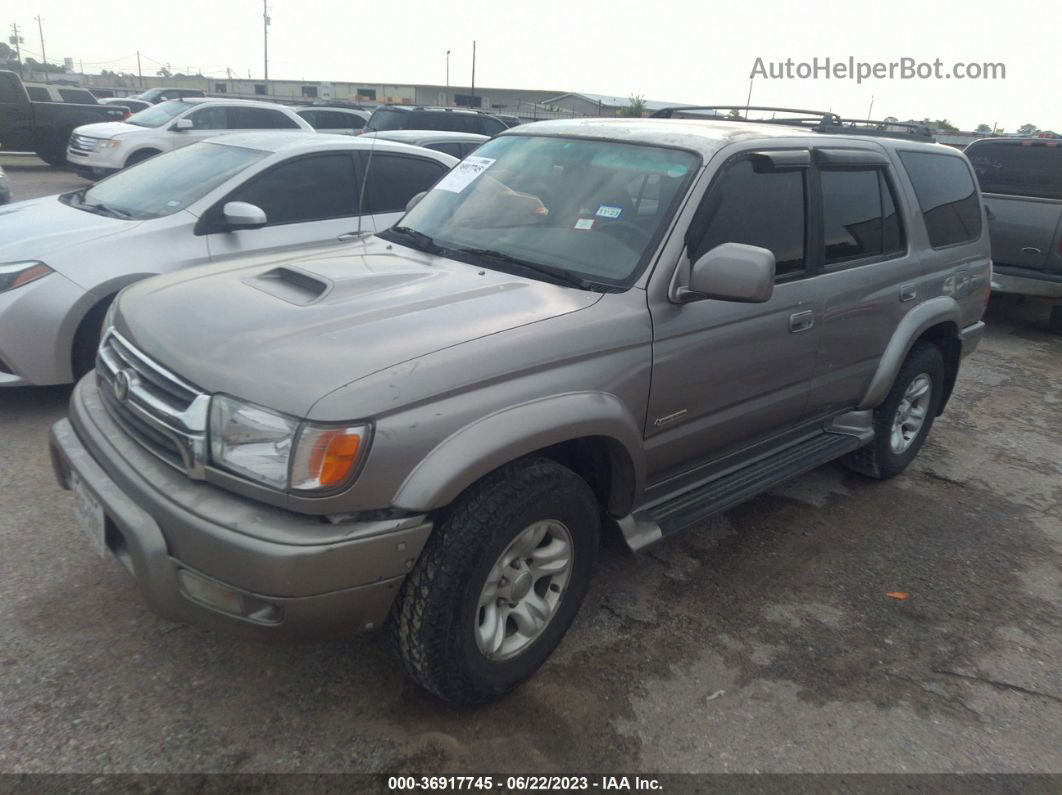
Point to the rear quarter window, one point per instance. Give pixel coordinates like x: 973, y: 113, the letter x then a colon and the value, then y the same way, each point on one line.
x: 947, y: 196
x: 1018, y: 168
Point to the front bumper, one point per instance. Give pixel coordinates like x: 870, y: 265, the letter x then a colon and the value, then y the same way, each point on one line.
x: 110, y: 159
x: 319, y: 579
x: 971, y: 337
x: 1048, y: 285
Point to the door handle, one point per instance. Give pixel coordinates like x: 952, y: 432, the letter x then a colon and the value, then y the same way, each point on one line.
x: 908, y: 292
x: 801, y: 321
x: 1032, y: 250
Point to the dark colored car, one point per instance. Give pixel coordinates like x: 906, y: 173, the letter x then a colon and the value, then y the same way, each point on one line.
x: 43, y: 127
x: 418, y: 117
x: 1021, y: 179
x: 129, y: 103
x: 157, y: 95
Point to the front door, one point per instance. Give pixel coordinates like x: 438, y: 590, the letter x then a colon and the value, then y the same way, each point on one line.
x: 727, y: 375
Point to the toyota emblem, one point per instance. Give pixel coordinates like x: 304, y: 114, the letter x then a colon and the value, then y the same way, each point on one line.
x: 123, y: 379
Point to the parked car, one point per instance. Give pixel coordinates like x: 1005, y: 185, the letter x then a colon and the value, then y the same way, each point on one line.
x: 129, y: 103
x: 341, y: 121
x: 457, y: 144
x: 1021, y: 179
x: 47, y: 92
x: 593, y: 318
x: 27, y: 125
x: 508, y: 121
x: 157, y: 95
x: 97, y: 150
x: 66, y: 256
x: 420, y: 117
x: 5, y: 188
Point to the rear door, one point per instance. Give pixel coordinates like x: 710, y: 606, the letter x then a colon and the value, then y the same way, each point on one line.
x: 1022, y: 185
x: 308, y: 200
x: 244, y: 118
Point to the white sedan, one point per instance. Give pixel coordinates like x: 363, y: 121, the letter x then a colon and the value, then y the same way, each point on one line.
x: 96, y: 150
x: 63, y: 258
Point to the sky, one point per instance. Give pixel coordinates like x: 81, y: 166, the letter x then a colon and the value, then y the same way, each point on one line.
x: 692, y: 52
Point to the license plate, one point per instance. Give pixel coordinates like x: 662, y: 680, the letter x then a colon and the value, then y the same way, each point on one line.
x: 89, y: 514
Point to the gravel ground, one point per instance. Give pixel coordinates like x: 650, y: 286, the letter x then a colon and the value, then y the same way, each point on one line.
x: 764, y: 642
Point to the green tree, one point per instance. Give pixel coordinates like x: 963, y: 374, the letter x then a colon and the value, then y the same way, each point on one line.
x: 635, y: 109
x: 983, y: 128
x: 734, y: 114
x: 1028, y: 129
x: 944, y: 125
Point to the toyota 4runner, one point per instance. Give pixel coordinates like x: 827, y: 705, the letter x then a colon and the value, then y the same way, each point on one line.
x: 588, y: 324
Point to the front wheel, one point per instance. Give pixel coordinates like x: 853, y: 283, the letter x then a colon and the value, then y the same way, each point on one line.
x: 499, y: 582
x: 903, y: 420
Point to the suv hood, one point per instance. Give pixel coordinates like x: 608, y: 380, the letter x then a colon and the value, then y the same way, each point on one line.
x: 37, y: 228
x: 107, y: 129
x: 284, y: 334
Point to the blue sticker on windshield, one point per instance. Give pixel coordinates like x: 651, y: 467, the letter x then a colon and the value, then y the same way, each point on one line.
x: 607, y: 211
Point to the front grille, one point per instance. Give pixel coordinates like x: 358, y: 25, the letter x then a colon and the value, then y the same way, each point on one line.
x: 160, y: 410
x: 82, y: 144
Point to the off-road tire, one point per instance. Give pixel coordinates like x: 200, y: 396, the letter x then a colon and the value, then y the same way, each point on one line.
x: 56, y: 158
x: 877, y: 459
x: 433, y: 619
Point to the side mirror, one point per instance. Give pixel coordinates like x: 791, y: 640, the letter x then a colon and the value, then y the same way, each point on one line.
x: 241, y: 215
x: 415, y: 200
x: 731, y: 272
x: 182, y: 124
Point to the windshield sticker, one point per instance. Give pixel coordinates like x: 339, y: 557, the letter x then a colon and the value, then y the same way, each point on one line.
x: 584, y: 223
x: 607, y: 211
x: 464, y: 173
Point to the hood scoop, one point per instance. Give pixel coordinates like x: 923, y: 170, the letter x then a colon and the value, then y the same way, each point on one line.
x: 291, y: 284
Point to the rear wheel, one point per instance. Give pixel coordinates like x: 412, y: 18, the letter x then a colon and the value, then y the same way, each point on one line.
x: 499, y: 582
x: 902, y: 422
x: 56, y: 158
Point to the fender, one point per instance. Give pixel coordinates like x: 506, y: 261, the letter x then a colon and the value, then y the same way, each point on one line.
x: 486, y: 444
x: 942, y: 309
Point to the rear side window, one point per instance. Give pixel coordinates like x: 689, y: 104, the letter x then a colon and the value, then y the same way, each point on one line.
x: 447, y: 148
x: 259, y: 119
x: 490, y: 126
x: 38, y: 94
x: 1025, y: 168
x: 758, y: 208
x: 858, y: 215
x: 947, y: 195
x: 77, y: 95
x: 334, y: 120
x: 393, y: 180
x: 305, y: 189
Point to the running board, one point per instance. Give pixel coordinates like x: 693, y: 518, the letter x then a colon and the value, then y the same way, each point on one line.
x: 676, y: 513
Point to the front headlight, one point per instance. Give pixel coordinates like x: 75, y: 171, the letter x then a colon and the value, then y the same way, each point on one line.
x: 279, y: 451
x: 107, y: 143
x: 16, y: 274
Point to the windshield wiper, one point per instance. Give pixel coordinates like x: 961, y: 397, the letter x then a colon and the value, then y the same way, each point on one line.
x: 103, y: 209
x: 421, y: 241
x: 557, y: 274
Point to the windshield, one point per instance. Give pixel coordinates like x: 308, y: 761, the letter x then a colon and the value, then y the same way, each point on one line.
x: 167, y: 183
x: 593, y: 209
x: 157, y: 115
x: 383, y: 119
x: 1019, y: 168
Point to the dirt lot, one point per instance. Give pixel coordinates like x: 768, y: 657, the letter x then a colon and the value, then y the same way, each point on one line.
x: 764, y: 642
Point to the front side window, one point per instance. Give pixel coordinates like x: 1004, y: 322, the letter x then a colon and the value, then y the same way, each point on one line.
x: 392, y: 180
x: 947, y: 195
x: 158, y: 115
x: 305, y: 189
x: 169, y: 182
x: 565, y: 204
x: 858, y: 215
x: 211, y: 117
x: 1018, y: 168
x: 751, y: 204
x: 240, y: 118
x: 386, y: 119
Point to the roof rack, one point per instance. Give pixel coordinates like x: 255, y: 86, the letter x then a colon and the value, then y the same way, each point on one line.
x: 821, y: 121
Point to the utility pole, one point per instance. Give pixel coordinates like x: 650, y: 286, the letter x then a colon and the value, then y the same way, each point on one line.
x: 748, y: 99
x: 16, y: 39
x: 265, y: 40
x: 447, y: 102
x: 472, y: 102
x: 44, y: 55
x: 139, y: 73
x: 870, y: 111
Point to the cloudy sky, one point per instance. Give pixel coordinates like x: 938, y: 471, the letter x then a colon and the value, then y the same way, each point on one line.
x: 697, y: 52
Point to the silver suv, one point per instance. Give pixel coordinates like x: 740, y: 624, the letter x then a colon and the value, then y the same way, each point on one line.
x: 586, y: 325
